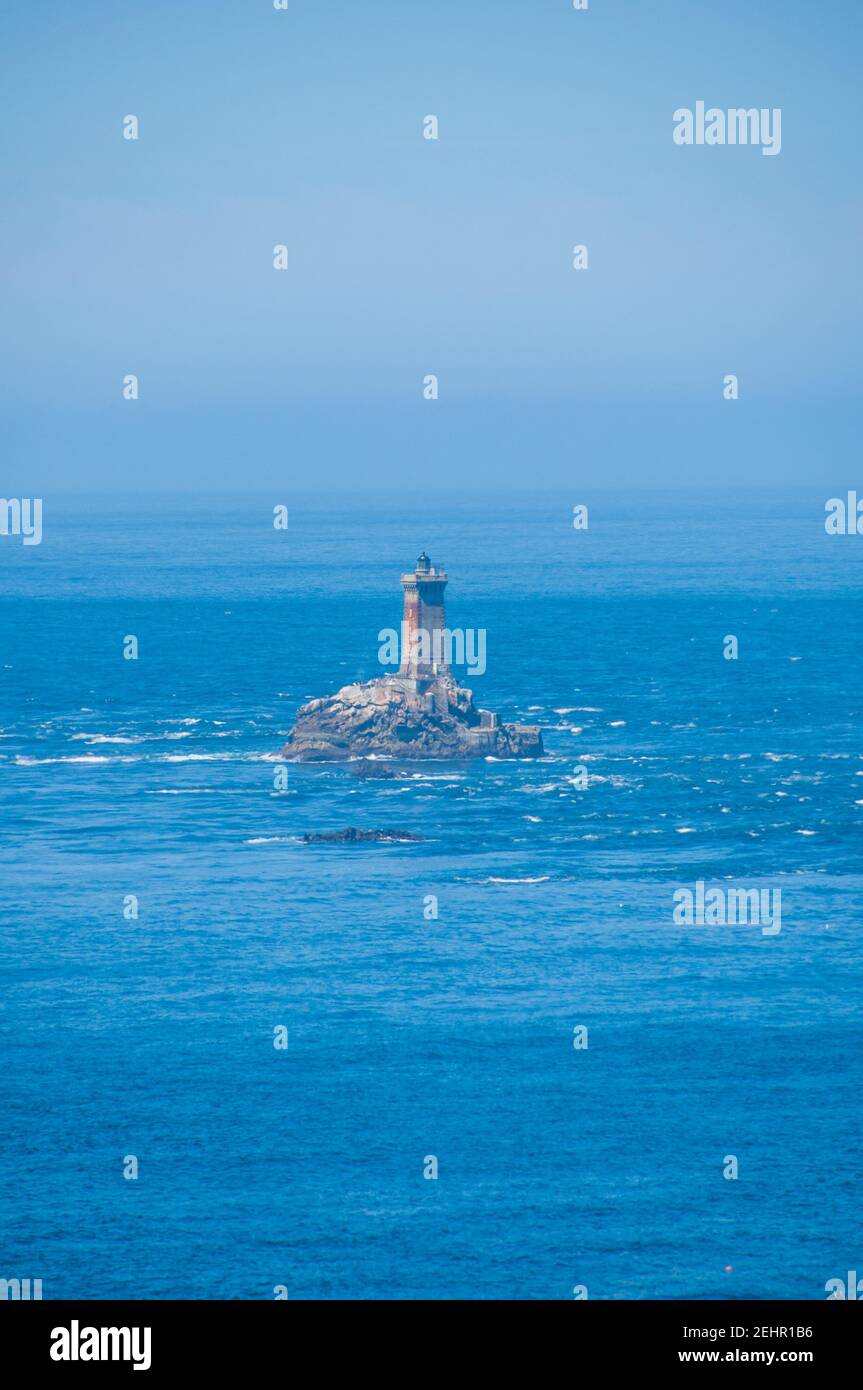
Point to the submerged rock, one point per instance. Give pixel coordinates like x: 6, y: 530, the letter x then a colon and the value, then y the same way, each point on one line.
x: 352, y: 836
x: 377, y: 771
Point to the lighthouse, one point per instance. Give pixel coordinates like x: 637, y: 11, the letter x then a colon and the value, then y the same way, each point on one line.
x: 424, y: 622
x: 420, y: 712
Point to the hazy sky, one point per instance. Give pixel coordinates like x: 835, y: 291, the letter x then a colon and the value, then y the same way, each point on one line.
x: 409, y: 256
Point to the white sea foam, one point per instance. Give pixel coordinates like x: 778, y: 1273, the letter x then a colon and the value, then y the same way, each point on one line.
x: 155, y: 758
x: 193, y: 791
x: 210, y: 757
x: 89, y: 758
x: 273, y: 840
x: 127, y: 738
x: 435, y: 776
x: 544, y: 879
x: 103, y: 738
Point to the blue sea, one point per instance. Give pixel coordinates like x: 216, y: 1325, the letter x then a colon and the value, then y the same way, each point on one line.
x: 411, y: 1036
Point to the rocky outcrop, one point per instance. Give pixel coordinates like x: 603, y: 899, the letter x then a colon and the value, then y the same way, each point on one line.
x: 395, y: 716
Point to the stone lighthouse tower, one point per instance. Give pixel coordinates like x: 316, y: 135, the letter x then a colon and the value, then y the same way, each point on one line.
x: 424, y: 622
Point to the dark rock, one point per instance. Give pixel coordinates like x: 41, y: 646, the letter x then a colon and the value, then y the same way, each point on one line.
x: 378, y: 771
x: 352, y: 836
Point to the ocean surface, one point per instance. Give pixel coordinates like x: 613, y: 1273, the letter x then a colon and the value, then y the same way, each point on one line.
x: 410, y: 1036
